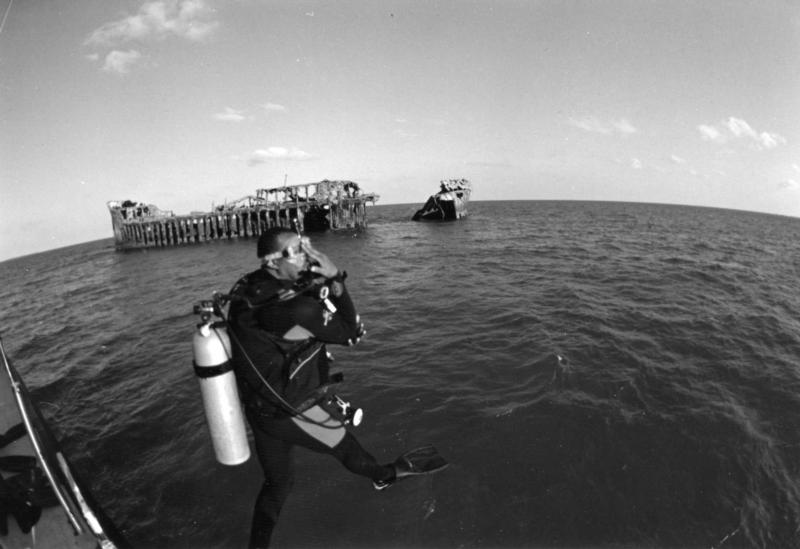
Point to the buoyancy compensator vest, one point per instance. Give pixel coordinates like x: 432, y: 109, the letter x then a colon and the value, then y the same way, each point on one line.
x: 296, y: 370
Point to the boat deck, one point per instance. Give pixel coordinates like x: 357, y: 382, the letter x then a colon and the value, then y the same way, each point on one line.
x: 55, y: 528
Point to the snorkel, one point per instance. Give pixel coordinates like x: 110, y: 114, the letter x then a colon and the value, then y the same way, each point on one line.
x: 305, y: 242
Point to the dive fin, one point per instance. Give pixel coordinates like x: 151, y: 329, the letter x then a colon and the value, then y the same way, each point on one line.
x: 14, y: 433
x: 421, y: 461
x: 17, y: 464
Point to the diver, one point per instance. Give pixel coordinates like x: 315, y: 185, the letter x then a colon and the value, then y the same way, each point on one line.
x: 281, y: 317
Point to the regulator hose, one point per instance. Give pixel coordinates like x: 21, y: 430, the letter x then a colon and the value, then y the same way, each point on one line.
x: 218, y: 301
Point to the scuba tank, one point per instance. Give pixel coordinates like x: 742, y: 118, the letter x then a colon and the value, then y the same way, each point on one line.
x: 211, y: 347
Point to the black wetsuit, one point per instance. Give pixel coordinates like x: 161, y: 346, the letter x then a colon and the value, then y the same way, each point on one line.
x: 296, y: 369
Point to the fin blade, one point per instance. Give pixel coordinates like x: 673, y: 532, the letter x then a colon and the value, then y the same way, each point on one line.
x: 420, y: 461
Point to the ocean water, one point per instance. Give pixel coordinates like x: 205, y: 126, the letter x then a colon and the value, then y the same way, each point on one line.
x: 598, y: 375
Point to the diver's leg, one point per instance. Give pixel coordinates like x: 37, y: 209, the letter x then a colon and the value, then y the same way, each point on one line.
x: 327, y: 436
x: 275, y: 457
x: 357, y: 460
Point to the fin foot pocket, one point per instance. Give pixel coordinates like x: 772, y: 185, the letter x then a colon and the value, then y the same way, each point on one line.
x: 17, y: 464
x: 15, y: 503
x: 14, y: 433
x: 420, y: 461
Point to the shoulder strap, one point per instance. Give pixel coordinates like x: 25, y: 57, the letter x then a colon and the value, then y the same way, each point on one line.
x: 256, y: 289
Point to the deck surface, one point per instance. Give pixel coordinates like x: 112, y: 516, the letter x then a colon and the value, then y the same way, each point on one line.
x: 53, y: 530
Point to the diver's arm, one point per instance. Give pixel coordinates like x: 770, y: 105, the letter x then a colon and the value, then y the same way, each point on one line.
x: 314, y: 319
x: 340, y: 297
x: 345, y: 310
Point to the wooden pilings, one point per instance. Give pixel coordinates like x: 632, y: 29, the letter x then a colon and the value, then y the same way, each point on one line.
x: 144, y: 232
x: 315, y: 206
x: 195, y: 228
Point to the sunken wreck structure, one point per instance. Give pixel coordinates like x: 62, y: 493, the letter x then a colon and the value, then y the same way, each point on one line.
x: 325, y: 205
x: 447, y: 204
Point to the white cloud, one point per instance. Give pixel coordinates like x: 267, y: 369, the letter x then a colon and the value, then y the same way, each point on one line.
x: 710, y: 133
x: 624, y: 127
x: 230, y: 115
x: 589, y: 124
x: 677, y: 159
x: 636, y: 164
x: 120, y: 62
x: 594, y: 125
x: 796, y: 168
x: 789, y: 184
x: 273, y: 107
x: 276, y: 153
x: 740, y: 129
x: 771, y: 140
x: 403, y: 134
x: 189, y: 19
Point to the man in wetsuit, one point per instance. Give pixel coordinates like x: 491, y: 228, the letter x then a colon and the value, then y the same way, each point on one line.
x: 280, y: 322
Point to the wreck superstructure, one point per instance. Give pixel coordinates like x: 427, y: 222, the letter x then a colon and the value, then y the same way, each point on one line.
x: 449, y: 203
x: 310, y: 206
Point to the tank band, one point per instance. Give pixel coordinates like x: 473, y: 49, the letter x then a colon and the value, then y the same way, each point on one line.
x: 212, y: 371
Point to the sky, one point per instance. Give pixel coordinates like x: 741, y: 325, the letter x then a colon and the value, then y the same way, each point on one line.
x: 188, y: 103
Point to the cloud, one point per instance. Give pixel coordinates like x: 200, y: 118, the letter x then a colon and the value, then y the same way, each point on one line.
x: 636, y: 164
x: 261, y: 156
x: 273, y: 107
x: 188, y: 19
x: 771, y: 140
x: 230, y: 115
x: 789, y: 184
x: 594, y: 125
x: 740, y: 129
x: 403, y: 134
x: 796, y: 168
x: 624, y: 127
x: 677, y: 159
x: 710, y: 133
x: 120, y: 62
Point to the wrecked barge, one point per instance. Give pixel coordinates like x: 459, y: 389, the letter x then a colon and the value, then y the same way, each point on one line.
x: 448, y: 204
x: 326, y: 205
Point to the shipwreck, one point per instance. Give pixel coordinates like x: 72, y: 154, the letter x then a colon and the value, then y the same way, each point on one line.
x: 449, y: 203
x: 321, y: 206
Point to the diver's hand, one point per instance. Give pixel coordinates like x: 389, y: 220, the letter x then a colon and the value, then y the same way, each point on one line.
x: 361, y: 332
x: 321, y: 263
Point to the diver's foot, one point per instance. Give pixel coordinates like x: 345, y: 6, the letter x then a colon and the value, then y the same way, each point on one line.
x: 421, y: 461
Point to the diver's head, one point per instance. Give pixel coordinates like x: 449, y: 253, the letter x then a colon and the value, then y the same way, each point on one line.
x: 281, y: 252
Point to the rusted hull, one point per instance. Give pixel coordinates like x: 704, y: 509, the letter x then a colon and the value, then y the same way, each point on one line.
x: 444, y: 207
